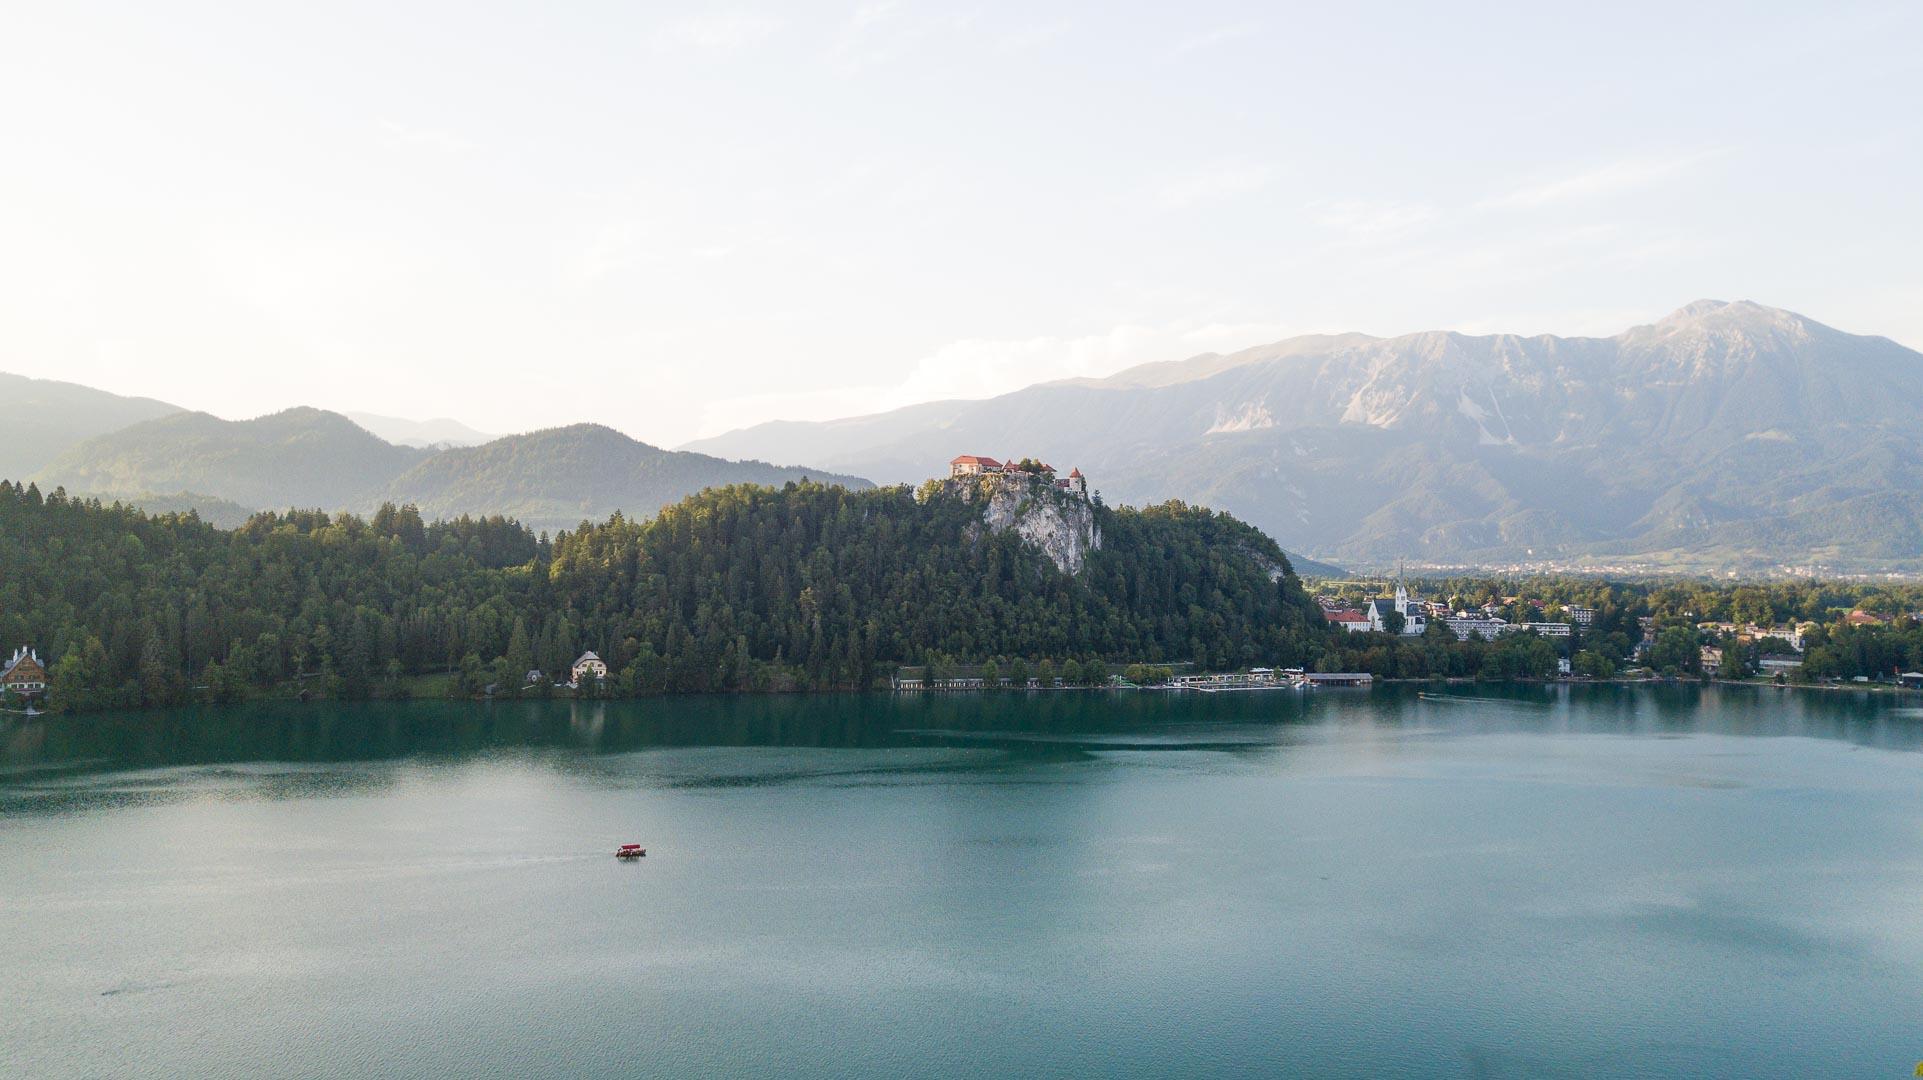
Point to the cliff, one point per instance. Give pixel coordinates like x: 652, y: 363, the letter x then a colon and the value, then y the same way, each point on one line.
x: 1061, y: 524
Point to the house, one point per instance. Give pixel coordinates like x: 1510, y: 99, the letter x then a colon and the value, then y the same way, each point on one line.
x: 24, y: 673
x: 1779, y: 664
x: 1712, y: 659
x: 972, y: 465
x: 1911, y: 680
x: 1347, y: 618
x: 590, y: 665
x: 1859, y: 617
x: 532, y: 678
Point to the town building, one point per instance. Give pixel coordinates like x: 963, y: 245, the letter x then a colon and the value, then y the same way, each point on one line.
x: 24, y: 673
x: 1414, y: 619
x: 1547, y: 629
x: 1584, y: 617
x: 1486, y: 627
x: 589, y: 665
x: 1348, y: 619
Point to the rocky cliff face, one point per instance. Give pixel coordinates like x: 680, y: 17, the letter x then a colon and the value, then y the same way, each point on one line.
x: 1059, y: 523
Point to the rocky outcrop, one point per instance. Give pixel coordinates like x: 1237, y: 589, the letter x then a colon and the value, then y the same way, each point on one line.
x: 1061, y: 524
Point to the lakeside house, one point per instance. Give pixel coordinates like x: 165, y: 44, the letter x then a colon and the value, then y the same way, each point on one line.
x: 590, y: 666
x: 24, y: 673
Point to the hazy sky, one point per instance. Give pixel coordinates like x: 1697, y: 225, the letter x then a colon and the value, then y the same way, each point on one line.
x: 677, y: 219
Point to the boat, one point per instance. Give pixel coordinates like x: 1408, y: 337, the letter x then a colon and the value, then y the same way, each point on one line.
x: 630, y: 851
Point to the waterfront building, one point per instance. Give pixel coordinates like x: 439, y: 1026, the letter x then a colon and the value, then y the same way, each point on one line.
x: 24, y: 673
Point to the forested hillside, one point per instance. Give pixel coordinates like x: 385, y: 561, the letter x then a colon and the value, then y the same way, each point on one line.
x: 806, y: 586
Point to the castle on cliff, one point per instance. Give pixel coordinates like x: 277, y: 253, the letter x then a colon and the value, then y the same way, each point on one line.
x: 968, y: 465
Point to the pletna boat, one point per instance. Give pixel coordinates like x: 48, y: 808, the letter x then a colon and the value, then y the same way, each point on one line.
x: 630, y: 851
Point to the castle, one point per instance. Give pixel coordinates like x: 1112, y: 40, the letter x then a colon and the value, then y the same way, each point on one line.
x: 968, y: 465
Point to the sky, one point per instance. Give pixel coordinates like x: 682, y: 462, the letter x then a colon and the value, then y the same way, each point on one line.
x: 677, y: 219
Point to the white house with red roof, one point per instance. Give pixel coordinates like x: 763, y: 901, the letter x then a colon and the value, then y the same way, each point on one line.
x: 1348, y: 619
x: 972, y: 465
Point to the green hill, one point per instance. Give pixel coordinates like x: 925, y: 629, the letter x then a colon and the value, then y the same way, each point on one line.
x: 299, y: 457
x: 738, y: 588
x: 560, y: 477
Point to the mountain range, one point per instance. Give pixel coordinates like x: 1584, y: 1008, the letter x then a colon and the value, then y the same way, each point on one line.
x: 1725, y: 436
x: 304, y: 457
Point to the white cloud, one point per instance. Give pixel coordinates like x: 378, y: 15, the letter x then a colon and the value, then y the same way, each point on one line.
x: 1032, y: 36
x: 1362, y: 220
x: 715, y: 32
x: 1211, y: 183
x: 1606, y: 179
x: 399, y: 134
x: 976, y: 368
x: 882, y: 31
x: 1211, y: 38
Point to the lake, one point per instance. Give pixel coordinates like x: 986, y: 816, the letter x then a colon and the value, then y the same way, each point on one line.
x: 1539, y: 881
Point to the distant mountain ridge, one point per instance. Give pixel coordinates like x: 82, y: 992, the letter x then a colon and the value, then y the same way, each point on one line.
x: 40, y: 419
x: 440, y: 431
x: 559, y: 477
x: 307, y: 457
x: 1725, y: 435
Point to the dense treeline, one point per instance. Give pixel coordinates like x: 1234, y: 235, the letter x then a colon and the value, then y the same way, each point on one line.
x: 739, y: 588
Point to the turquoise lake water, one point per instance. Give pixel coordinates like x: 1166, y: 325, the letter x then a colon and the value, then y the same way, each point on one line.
x: 1580, y: 882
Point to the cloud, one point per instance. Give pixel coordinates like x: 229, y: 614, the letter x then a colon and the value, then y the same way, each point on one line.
x: 1208, y: 39
x: 1601, y: 180
x: 881, y: 32
x: 975, y: 368
x: 399, y: 134
x: 1210, y: 184
x: 1032, y: 36
x: 715, y: 32
x: 1364, y: 220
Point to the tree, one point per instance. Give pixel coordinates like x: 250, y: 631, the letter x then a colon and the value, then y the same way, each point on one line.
x: 1591, y: 664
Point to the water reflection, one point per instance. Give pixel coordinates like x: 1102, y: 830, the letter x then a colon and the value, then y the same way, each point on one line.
x: 1017, y: 729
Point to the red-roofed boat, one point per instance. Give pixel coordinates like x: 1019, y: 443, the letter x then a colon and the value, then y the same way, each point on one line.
x: 630, y: 851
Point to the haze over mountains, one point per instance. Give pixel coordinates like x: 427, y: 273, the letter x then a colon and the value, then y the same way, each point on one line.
x: 303, y: 457
x: 1724, y: 436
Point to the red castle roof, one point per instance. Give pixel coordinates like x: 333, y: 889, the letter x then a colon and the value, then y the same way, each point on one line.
x: 971, y: 459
